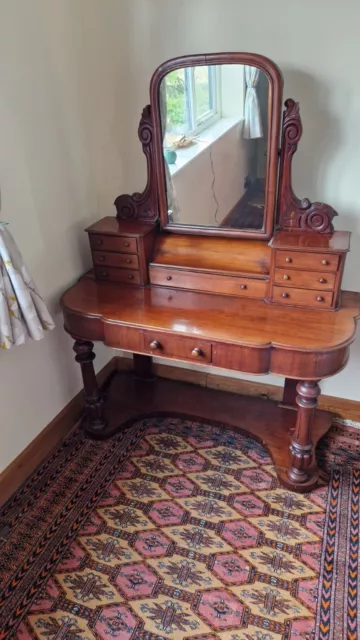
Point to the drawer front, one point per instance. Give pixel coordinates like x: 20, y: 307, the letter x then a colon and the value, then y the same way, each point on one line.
x: 308, y: 279
x: 117, y: 275
x: 126, y: 338
x: 208, y: 282
x: 169, y: 346
x: 298, y: 260
x: 123, y: 260
x: 302, y: 297
x: 113, y: 243
x: 241, y: 358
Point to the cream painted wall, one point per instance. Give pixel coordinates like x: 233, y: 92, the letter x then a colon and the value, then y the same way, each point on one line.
x: 62, y: 72
x: 74, y: 77
x: 314, y: 44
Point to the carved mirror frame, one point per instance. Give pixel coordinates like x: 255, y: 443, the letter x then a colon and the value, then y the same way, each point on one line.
x: 284, y: 210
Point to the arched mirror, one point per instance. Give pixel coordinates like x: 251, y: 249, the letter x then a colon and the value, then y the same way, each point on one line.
x: 216, y: 139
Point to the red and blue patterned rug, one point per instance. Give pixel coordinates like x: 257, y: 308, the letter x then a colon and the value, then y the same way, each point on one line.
x: 178, y: 530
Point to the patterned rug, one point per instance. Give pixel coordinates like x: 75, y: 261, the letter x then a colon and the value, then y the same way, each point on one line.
x: 175, y: 529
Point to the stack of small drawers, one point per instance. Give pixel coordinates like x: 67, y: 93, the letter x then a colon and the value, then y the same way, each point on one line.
x: 120, y: 250
x: 308, y: 274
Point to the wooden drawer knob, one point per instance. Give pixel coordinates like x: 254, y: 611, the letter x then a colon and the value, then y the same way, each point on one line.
x: 243, y: 287
x: 130, y: 276
x: 102, y: 258
x: 286, y: 277
x: 168, y: 277
x: 196, y: 352
x: 288, y: 260
x: 320, y: 299
x: 128, y: 261
x: 99, y: 241
x: 324, y: 262
x: 322, y: 281
x: 104, y: 274
x: 154, y: 345
x: 126, y: 244
x: 284, y: 295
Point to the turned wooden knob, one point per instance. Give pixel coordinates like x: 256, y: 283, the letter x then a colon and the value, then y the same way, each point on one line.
x: 126, y: 244
x: 168, y: 277
x: 128, y: 261
x: 102, y: 258
x: 286, y: 277
x: 130, y: 276
x: 99, y: 241
x: 320, y: 299
x: 196, y: 352
x: 104, y: 274
x: 285, y: 295
x: 324, y: 262
x: 243, y: 287
x: 154, y: 345
x: 322, y: 281
x: 288, y: 259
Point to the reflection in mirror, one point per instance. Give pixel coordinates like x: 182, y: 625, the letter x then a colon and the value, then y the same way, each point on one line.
x: 214, y: 128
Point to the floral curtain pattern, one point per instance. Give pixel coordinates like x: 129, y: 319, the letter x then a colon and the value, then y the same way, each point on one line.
x: 252, y: 117
x: 23, y: 312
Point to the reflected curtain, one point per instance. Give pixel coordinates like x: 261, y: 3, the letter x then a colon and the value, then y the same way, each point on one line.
x: 23, y: 313
x: 252, y: 118
x: 172, y: 202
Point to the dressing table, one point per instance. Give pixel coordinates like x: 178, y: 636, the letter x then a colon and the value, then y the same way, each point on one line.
x: 217, y: 262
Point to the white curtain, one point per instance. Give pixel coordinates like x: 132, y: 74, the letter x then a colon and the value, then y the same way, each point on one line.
x: 23, y: 312
x: 172, y: 201
x: 252, y: 121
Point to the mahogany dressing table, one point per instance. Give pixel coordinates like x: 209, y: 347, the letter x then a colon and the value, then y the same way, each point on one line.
x: 218, y: 262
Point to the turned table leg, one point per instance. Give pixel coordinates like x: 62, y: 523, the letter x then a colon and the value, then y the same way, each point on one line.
x: 302, y: 448
x: 94, y: 401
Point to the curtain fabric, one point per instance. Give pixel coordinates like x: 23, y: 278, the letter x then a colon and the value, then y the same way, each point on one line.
x: 172, y: 201
x: 23, y: 312
x: 252, y: 121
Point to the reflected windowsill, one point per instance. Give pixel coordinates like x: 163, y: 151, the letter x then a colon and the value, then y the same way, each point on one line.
x: 205, y: 139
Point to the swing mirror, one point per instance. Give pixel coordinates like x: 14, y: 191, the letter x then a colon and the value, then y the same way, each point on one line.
x: 217, y: 127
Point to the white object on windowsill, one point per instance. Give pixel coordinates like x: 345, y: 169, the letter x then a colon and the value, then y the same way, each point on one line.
x: 23, y: 313
x: 204, y: 140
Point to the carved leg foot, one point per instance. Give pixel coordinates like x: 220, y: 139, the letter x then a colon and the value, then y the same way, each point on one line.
x: 94, y: 401
x: 302, y: 448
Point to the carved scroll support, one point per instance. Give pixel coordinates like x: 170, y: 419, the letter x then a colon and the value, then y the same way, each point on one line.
x: 294, y: 213
x: 142, y: 206
x: 302, y: 448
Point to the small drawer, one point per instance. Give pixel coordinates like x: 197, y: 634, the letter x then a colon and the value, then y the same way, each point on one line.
x: 307, y: 279
x: 211, y: 283
x: 169, y: 346
x: 117, y: 275
x: 113, y: 243
x: 303, y: 297
x: 298, y: 260
x: 108, y: 259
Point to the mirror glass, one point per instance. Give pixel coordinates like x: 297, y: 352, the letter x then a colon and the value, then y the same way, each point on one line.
x: 215, y: 144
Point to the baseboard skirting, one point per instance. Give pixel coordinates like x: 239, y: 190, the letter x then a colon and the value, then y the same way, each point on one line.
x: 39, y: 448
x: 27, y: 461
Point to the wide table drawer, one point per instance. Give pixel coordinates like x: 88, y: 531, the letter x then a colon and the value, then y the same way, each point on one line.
x: 300, y: 260
x: 302, y: 297
x: 113, y: 243
x: 307, y: 279
x: 117, y: 275
x: 174, y: 346
x: 211, y: 283
x: 108, y: 259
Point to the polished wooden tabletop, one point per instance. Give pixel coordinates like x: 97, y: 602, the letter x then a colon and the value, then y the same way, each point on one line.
x: 214, y: 317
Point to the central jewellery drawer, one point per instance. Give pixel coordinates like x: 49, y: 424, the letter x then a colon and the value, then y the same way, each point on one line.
x: 211, y: 283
